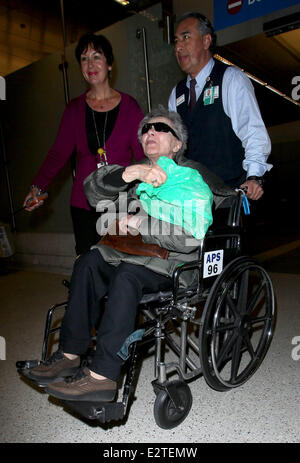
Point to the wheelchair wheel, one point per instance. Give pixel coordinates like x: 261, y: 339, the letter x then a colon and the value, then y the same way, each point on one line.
x: 238, y: 323
x: 166, y: 415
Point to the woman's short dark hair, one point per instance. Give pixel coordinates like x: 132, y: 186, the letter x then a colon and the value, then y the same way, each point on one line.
x: 204, y: 27
x: 98, y: 42
x: 176, y: 124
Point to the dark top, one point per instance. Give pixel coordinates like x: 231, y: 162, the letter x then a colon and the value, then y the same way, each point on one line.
x: 105, y: 122
x: 212, y: 140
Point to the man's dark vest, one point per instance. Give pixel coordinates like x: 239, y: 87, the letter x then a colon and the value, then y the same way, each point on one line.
x: 212, y: 140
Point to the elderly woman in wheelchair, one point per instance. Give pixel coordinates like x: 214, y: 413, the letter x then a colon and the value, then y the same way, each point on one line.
x: 157, y: 263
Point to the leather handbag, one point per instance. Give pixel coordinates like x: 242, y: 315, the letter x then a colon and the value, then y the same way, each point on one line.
x: 132, y: 244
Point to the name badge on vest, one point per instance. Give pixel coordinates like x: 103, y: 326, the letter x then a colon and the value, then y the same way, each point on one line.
x: 210, y: 94
x: 180, y: 100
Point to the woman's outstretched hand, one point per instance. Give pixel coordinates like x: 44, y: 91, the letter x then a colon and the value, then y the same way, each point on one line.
x: 153, y: 174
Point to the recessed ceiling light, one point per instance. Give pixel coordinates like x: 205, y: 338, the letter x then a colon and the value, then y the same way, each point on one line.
x: 123, y: 2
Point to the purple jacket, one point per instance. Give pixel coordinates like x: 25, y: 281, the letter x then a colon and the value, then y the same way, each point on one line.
x: 121, y: 145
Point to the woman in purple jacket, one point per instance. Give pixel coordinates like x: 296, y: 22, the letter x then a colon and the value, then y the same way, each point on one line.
x: 101, y: 124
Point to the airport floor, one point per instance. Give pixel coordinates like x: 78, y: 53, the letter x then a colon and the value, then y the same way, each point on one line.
x: 265, y: 409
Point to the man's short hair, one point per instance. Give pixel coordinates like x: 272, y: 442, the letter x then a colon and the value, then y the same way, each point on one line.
x: 205, y: 27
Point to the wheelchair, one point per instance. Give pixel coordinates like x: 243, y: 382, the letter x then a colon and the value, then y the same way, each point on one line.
x: 220, y: 328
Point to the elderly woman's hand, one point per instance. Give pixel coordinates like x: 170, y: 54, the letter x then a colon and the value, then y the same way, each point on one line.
x: 152, y: 174
x: 130, y: 224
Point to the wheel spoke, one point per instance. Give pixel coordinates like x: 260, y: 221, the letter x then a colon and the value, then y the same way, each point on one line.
x: 265, y: 318
x: 236, y: 304
x: 225, y: 349
x: 243, y: 292
x: 255, y: 297
x: 224, y: 327
x: 249, y: 346
x: 236, y: 359
x: 232, y: 305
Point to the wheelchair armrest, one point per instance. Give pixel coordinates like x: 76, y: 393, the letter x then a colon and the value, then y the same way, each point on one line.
x: 225, y: 231
x: 194, y: 265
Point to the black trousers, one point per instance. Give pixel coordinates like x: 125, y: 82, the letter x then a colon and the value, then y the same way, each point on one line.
x: 84, y: 226
x: 124, y: 286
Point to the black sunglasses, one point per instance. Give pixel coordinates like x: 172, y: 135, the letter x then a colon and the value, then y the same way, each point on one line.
x: 158, y: 127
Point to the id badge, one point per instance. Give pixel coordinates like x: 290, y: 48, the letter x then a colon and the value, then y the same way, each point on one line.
x: 180, y: 100
x: 208, y: 97
x: 101, y: 164
x: 102, y: 158
x: 210, y: 94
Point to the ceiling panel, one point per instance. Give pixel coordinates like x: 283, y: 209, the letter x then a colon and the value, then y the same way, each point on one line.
x: 29, y: 29
x: 275, y: 60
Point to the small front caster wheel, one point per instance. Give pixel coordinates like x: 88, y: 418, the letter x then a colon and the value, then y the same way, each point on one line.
x: 166, y: 414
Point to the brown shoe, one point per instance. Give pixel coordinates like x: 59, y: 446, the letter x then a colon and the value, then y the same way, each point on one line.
x: 83, y: 387
x: 53, y: 370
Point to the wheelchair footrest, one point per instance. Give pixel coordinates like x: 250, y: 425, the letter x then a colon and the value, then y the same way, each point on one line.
x: 101, y: 411
x: 25, y: 364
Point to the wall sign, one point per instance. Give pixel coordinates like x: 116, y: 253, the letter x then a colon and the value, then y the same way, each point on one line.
x: 234, y: 6
x: 231, y: 12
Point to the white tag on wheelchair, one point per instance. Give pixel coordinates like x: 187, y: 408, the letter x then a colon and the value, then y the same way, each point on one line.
x: 213, y: 263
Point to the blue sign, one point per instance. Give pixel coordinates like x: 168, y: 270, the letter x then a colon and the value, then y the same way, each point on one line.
x: 231, y: 12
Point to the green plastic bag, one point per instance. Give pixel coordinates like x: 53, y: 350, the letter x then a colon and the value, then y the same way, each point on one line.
x: 184, y: 199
